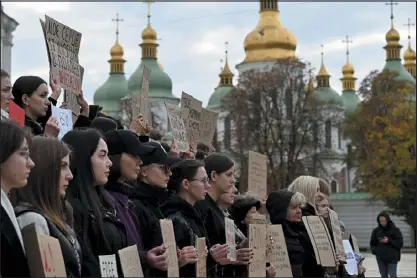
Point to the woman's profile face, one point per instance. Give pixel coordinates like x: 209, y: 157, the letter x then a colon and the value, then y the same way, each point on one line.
x: 66, y: 175
x: 157, y: 175
x: 198, y: 186
x: 101, y: 163
x: 16, y: 169
x: 229, y: 197
x: 129, y: 166
x: 38, y: 102
x: 294, y: 213
x: 6, y: 93
x: 225, y: 181
x: 322, y: 207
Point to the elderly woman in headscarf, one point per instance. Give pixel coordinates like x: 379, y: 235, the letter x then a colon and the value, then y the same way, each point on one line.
x: 31, y: 94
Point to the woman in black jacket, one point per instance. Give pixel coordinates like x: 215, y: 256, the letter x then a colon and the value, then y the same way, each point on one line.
x: 284, y: 208
x: 16, y: 165
x: 189, y: 180
x: 42, y: 202
x: 95, y: 220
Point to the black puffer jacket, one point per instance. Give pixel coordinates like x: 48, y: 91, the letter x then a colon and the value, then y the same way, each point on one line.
x: 389, y: 252
x: 71, y: 249
x: 188, y: 224
x: 300, y: 250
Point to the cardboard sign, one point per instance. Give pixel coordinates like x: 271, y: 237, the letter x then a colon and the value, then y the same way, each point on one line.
x: 276, y: 251
x: 337, y: 234
x: 230, y: 229
x: 256, y: 218
x: 179, y: 133
x: 108, y: 266
x: 191, y: 113
x: 64, y: 117
x: 257, y: 242
x: 354, y: 242
x: 135, y: 106
x: 17, y: 113
x: 130, y: 262
x: 351, y: 265
x: 43, y: 253
x: 257, y: 175
x: 201, y: 265
x: 208, y: 126
x: 169, y: 242
x: 144, y: 93
x: 320, y: 238
x: 63, y: 44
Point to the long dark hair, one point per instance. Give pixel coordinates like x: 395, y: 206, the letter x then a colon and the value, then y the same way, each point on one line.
x: 217, y: 163
x: 83, y: 144
x: 42, y: 190
x: 183, y: 170
x: 12, y: 137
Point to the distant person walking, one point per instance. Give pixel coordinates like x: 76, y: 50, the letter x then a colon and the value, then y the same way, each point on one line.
x: 386, y: 244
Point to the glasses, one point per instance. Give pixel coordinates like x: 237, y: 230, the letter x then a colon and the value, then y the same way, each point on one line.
x: 203, y: 180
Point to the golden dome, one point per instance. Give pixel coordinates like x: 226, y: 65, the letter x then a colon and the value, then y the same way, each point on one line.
x: 270, y: 40
x: 323, y: 71
x: 409, y: 54
x: 392, y: 35
x: 149, y: 35
x: 348, y: 68
x: 116, y: 50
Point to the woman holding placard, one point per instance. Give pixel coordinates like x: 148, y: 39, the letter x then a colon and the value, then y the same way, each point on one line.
x: 42, y: 201
x: 16, y: 165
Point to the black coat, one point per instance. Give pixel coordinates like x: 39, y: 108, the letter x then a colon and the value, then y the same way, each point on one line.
x: 71, y: 249
x: 188, y: 225
x: 389, y: 252
x: 13, y: 258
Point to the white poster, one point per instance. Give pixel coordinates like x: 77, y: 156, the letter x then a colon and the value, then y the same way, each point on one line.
x: 351, y: 265
x: 64, y: 117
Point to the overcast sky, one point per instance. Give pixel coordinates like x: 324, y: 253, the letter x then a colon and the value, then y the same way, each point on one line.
x: 192, y: 37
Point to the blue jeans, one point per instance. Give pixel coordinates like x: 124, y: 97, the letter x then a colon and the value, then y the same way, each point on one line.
x: 387, y: 269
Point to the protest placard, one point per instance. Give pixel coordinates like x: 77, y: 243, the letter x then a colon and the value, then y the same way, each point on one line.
x: 320, y: 238
x: 257, y: 175
x: 337, y: 235
x: 17, y: 113
x: 230, y: 230
x: 64, y: 117
x: 351, y: 265
x: 200, y: 245
x: 179, y: 133
x: 257, y: 242
x: 108, y: 266
x: 354, y: 243
x: 130, y: 262
x: 276, y: 251
x: 43, y: 253
x: 191, y: 113
x: 168, y: 238
x: 208, y: 126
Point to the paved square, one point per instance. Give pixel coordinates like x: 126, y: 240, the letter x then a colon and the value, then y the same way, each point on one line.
x: 406, y: 267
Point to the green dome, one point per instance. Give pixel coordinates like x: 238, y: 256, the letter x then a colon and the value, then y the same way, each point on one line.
x: 160, y: 85
x: 109, y: 94
x: 215, y: 101
x: 328, y: 95
x: 403, y: 74
x: 350, y: 101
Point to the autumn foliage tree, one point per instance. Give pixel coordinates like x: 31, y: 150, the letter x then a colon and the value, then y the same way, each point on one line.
x: 272, y: 113
x: 383, y: 131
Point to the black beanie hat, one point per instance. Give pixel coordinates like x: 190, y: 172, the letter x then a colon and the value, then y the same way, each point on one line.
x: 241, y: 206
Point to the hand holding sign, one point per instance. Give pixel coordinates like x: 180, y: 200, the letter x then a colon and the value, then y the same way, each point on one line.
x: 187, y: 255
x: 175, y: 149
x: 52, y: 127
x: 55, y: 87
x: 64, y: 117
x: 85, y: 108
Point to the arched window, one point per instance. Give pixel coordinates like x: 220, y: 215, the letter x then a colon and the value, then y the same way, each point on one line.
x: 328, y: 134
x: 227, y: 132
x: 333, y: 186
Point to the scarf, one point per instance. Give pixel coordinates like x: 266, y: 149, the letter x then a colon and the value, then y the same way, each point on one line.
x: 5, y: 203
x: 4, y: 115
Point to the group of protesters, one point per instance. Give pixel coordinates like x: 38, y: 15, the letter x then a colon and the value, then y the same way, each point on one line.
x: 104, y: 187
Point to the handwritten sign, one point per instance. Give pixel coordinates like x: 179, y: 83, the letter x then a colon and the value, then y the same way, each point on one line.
x: 108, y: 266
x: 43, y: 253
x: 230, y: 230
x: 276, y: 251
x: 169, y: 242
x: 337, y: 235
x: 17, y: 113
x: 135, y: 106
x: 63, y: 44
x: 320, y: 238
x: 179, y: 132
x: 208, y: 126
x: 64, y: 117
x: 351, y: 265
x: 191, y: 113
x: 144, y: 93
x: 130, y: 262
x: 257, y: 242
x: 201, y: 266
x: 257, y: 174
x: 354, y: 243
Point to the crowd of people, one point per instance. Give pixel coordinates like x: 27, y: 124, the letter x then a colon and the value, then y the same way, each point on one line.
x: 104, y: 187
